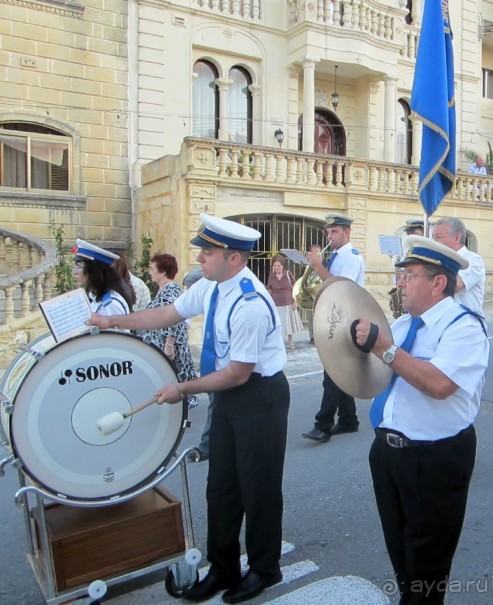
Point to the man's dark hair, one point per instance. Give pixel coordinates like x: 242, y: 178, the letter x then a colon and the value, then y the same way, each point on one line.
x: 245, y: 254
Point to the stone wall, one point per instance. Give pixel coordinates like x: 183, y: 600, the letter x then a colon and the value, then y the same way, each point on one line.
x: 66, y: 68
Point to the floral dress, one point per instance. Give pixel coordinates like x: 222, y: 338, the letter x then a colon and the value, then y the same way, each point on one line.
x: 183, y: 356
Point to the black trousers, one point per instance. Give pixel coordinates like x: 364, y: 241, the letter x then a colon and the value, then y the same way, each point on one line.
x: 421, y: 495
x: 334, y: 400
x: 246, y: 462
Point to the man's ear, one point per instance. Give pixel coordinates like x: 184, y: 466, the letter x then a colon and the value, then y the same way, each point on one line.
x: 234, y: 258
x: 440, y: 283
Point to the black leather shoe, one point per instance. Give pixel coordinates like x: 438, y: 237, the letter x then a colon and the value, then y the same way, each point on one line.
x: 209, y: 586
x: 339, y: 429
x: 317, y: 435
x: 250, y: 586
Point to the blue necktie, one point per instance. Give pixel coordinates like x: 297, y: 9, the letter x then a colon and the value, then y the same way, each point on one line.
x: 376, y: 410
x: 331, y: 260
x: 208, y: 356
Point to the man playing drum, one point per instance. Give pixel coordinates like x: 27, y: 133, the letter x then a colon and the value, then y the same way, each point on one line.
x: 242, y: 360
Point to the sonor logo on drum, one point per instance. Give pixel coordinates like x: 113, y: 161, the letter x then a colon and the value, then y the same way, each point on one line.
x: 106, y: 370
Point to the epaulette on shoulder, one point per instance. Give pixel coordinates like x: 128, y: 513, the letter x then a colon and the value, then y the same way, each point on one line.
x: 248, y: 289
x: 354, y: 251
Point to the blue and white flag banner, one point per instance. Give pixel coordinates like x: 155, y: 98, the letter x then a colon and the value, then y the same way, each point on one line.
x: 433, y: 102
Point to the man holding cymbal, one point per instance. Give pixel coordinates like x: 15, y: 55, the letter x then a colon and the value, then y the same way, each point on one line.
x: 424, y: 450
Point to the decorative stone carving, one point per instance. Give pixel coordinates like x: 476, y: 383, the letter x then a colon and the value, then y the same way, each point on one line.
x: 228, y: 33
x: 65, y: 8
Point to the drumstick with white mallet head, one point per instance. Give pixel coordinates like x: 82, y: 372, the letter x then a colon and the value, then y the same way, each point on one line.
x: 113, y: 422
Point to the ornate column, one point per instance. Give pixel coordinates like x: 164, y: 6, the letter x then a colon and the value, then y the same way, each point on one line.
x: 389, y: 119
x: 309, y: 104
x: 257, y: 123
x: 417, y: 138
x: 223, y: 85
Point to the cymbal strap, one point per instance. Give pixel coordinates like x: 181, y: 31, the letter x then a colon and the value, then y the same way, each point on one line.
x: 371, y: 340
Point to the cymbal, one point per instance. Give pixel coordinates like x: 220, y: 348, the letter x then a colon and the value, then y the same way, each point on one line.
x: 339, y: 302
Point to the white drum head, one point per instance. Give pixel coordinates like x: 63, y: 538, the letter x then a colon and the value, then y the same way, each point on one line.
x: 15, y: 374
x: 54, y: 420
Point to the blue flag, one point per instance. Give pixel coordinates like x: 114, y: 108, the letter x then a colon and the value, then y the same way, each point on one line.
x: 433, y: 101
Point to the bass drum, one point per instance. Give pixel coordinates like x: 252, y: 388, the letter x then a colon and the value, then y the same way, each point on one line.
x: 15, y: 374
x: 52, y: 404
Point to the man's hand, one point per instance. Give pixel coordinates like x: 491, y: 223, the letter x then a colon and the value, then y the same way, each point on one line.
x: 169, y: 394
x: 315, y: 259
x: 101, y: 321
x: 362, y: 333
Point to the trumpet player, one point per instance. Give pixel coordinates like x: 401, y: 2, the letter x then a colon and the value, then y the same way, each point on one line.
x: 345, y: 261
x: 316, y: 249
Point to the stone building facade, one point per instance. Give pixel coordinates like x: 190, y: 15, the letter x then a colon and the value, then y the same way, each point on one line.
x: 64, y: 119
x: 123, y: 118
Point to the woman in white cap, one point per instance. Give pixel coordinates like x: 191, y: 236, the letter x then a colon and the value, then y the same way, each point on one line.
x: 94, y: 273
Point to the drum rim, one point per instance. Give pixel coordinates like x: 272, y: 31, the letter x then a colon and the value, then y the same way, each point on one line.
x: 147, y: 481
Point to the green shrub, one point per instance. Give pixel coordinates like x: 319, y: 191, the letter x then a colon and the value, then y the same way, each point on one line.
x: 63, y: 271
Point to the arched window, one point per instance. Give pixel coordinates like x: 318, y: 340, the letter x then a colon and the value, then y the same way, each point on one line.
x: 330, y: 136
x: 404, y: 133
x: 240, y: 106
x: 205, y: 101
x: 34, y: 157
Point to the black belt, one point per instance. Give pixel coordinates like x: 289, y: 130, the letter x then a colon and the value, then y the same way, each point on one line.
x: 395, y: 439
x: 255, y: 376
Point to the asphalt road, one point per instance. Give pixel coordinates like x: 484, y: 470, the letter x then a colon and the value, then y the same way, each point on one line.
x: 333, y: 544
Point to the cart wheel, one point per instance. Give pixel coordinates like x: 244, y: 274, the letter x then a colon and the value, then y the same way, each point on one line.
x: 171, y: 587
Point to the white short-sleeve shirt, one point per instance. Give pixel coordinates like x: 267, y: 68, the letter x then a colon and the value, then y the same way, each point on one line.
x: 245, y: 330
x: 349, y: 263
x: 474, y: 278
x: 460, y: 350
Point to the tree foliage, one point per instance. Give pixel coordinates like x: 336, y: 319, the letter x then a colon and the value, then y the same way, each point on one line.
x: 64, y: 278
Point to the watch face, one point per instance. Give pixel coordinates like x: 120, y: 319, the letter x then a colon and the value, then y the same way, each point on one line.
x: 389, y: 355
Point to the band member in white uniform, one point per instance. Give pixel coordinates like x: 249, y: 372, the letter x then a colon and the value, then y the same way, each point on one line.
x: 242, y: 360
x: 471, y: 282
x: 345, y: 261
x: 423, y: 454
x: 93, y: 272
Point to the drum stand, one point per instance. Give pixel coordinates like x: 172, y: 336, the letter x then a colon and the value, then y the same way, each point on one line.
x: 35, y: 502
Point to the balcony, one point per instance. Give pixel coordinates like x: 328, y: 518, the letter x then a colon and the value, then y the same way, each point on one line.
x: 250, y: 165
x: 362, y: 34
x: 246, y: 9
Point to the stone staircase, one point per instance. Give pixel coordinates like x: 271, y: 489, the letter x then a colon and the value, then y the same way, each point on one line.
x: 26, y: 279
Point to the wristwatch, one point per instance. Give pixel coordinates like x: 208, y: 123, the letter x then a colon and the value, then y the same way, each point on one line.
x: 389, y: 355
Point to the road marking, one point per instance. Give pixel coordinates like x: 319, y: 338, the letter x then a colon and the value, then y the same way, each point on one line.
x: 289, y: 574
x: 348, y: 590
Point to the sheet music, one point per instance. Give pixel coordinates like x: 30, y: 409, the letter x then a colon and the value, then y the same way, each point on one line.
x: 390, y: 244
x: 295, y: 255
x: 67, y: 313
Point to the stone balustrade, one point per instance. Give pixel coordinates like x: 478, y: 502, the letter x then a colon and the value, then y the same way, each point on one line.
x: 364, y: 16
x: 248, y: 9
x: 410, y: 43
x: 269, y: 166
x: 26, y: 274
